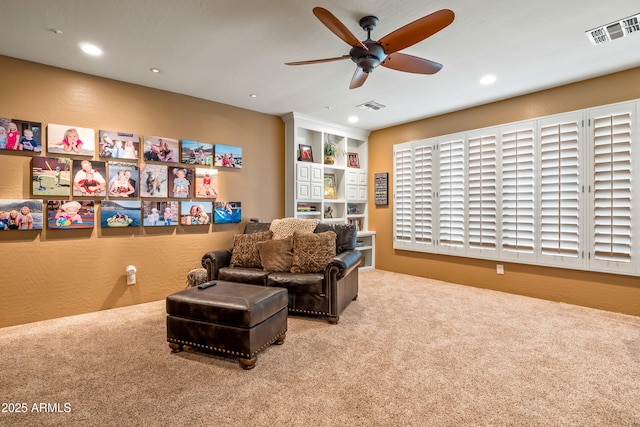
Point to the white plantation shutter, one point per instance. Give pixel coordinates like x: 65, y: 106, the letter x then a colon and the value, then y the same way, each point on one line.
x: 403, y: 195
x: 518, y: 192
x: 612, y: 209
x: 452, y: 193
x: 543, y: 192
x: 482, y: 199
x: 424, y: 194
x: 561, y: 189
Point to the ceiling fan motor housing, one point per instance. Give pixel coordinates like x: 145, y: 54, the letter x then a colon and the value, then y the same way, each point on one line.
x: 368, y: 59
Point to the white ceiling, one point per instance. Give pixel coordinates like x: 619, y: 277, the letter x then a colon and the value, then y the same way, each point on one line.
x: 224, y: 50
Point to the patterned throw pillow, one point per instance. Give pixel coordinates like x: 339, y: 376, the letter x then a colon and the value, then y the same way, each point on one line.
x: 312, y: 251
x: 286, y: 226
x: 245, y: 252
x: 276, y: 254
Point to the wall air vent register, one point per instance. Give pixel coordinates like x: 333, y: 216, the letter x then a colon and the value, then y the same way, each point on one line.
x: 371, y: 106
x: 614, y: 30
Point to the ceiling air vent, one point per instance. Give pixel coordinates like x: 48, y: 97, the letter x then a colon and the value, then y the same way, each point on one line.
x: 615, y: 30
x: 371, y: 106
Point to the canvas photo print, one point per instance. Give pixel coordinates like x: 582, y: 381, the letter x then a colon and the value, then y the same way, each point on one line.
x: 196, y: 153
x: 69, y: 139
x: 228, y: 156
x: 206, y: 183
x: 19, y: 214
x: 89, y: 178
x: 120, y: 213
x: 195, y: 213
x: 70, y: 214
x: 160, y: 149
x: 181, y: 182
x: 160, y: 214
x: 51, y: 176
x: 118, y: 145
x: 123, y: 180
x: 227, y: 212
x: 20, y: 135
x: 153, y: 180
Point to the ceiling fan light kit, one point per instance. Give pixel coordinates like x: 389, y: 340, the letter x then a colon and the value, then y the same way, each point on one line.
x: 369, y: 54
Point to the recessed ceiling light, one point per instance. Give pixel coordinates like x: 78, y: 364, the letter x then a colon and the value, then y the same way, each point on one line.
x: 253, y: 95
x: 90, y: 49
x: 353, y: 119
x: 488, y: 79
x: 154, y: 70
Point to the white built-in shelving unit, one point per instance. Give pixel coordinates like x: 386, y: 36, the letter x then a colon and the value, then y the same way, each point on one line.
x: 305, y: 177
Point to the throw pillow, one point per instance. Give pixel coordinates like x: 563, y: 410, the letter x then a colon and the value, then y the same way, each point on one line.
x: 245, y: 253
x: 276, y: 254
x: 312, y: 251
x: 286, y: 226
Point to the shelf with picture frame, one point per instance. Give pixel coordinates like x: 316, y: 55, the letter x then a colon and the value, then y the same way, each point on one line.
x: 318, y: 153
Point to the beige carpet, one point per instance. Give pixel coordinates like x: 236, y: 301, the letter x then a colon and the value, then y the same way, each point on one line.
x: 409, y: 351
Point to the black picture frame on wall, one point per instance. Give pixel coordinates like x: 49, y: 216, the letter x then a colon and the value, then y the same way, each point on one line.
x: 381, y: 188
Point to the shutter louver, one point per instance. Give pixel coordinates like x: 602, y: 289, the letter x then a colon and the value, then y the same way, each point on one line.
x: 452, y: 213
x: 424, y: 194
x: 482, y: 192
x: 402, y: 195
x: 612, y: 188
x: 560, y: 190
x: 518, y: 191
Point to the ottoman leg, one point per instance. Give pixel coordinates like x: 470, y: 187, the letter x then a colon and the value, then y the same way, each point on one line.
x: 248, y: 363
x: 176, y: 348
x: 280, y: 339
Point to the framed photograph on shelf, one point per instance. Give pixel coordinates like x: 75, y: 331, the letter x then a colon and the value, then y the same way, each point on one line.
x: 51, y: 176
x: 330, y: 189
x: 354, y: 160
x: 305, y: 154
x: 21, y: 135
x: 67, y: 139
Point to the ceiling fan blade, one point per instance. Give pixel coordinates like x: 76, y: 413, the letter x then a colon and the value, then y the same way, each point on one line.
x: 358, y: 78
x: 337, y: 27
x: 318, y: 61
x: 416, y: 31
x: 410, y: 64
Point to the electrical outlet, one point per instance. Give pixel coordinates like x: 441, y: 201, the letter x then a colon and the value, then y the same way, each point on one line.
x: 499, y: 268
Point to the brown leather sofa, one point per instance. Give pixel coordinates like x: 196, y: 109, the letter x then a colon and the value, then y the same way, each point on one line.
x: 324, y: 294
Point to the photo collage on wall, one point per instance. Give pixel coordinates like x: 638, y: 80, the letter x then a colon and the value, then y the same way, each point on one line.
x: 136, y: 181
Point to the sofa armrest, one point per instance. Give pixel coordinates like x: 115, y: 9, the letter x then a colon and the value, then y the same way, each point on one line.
x: 215, y: 260
x: 345, y: 262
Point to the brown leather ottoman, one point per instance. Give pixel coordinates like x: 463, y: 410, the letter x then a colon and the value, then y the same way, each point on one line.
x: 231, y: 318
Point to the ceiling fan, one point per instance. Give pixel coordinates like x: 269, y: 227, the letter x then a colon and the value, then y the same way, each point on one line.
x: 369, y: 54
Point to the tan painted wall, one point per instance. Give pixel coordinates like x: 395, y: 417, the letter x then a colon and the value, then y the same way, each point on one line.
x: 54, y: 273
x: 603, y: 291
